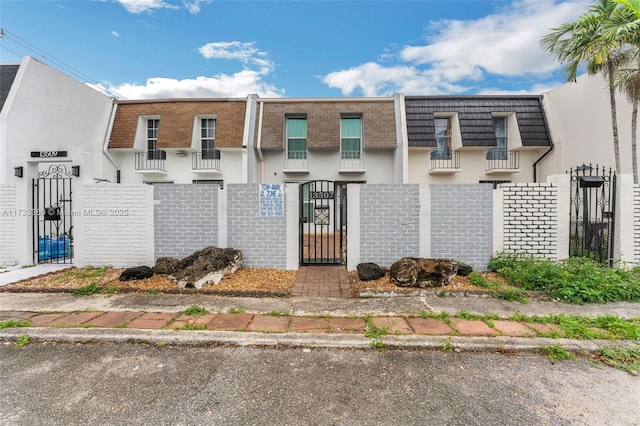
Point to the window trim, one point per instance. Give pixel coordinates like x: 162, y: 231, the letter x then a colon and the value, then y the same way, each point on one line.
x: 287, y: 138
x: 358, y: 156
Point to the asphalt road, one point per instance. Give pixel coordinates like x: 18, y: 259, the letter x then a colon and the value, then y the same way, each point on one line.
x: 124, y: 384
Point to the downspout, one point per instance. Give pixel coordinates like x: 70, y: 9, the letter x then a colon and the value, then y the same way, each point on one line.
x: 551, y: 147
x: 259, y: 143
x: 107, y: 139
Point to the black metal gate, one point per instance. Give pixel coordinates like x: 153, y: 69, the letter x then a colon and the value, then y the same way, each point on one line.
x: 323, y: 223
x: 593, y: 192
x: 52, y: 216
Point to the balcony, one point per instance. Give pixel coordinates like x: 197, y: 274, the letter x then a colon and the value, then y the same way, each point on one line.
x: 206, y: 162
x: 151, y: 162
x: 502, y: 161
x: 352, y: 162
x: 296, y: 162
x: 444, y: 161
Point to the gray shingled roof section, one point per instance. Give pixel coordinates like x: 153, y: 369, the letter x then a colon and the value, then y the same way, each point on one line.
x: 474, y: 114
x: 7, y: 75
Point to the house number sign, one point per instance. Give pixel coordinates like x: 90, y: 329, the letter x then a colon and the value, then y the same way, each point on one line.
x: 48, y: 154
x: 322, y: 195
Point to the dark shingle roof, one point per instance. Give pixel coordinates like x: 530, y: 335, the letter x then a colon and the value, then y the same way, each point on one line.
x: 7, y: 75
x: 476, y: 122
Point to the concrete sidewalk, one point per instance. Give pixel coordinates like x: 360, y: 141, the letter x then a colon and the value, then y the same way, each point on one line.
x: 304, y: 322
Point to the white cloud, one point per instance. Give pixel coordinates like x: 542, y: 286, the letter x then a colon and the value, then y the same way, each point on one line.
x: 115, y: 33
x: 236, y: 85
x: 244, y: 52
x: 376, y: 80
x: 462, y: 53
x: 140, y: 6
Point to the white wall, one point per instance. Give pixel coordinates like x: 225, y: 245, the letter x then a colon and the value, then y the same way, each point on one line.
x: 8, y: 214
x: 179, y: 169
x: 579, y: 117
x: 473, y: 165
x: 378, y: 165
x: 47, y: 110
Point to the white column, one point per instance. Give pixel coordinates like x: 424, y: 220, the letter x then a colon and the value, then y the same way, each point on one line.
x: 222, y: 218
x: 563, y: 213
x: 498, y: 220
x: 292, y: 212
x: 353, y: 226
x: 623, y: 243
x: 425, y: 222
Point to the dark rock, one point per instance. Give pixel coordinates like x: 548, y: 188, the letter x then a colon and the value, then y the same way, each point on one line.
x: 422, y: 272
x: 370, y: 271
x: 165, y: 265
x: 464, y: 269
x: 205, y: 267
x: 136, y: 273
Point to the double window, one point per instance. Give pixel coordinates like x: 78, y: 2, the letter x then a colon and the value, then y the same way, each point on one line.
x: 350, y: 137
x: 208, y: 139
x: 296, y: 138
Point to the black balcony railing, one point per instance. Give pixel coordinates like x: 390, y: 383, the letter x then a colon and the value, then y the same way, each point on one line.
x: 151, y: 160
x: 206, y: 160
x: 501, y: 159
x: 444, y: 158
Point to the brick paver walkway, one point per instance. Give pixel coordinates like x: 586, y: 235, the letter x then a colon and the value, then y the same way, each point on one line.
x: 405, y: 325
x: 322, y: 281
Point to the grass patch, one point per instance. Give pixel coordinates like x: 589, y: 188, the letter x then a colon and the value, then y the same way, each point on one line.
x: 86, y: 273
x: 606, y: 326
x: 22, y: 340
x: 87, y: 290
x: 14, y: 323
x: 573, y: 280
x: 557, y: 353
x: 469, y: 316
x: 234, y: 310
x: 373, y: 331
x: 195, y: 311
x: 625, y: 359
x: 277, y: 314
x: 192, y: 327
x: 447, y: 346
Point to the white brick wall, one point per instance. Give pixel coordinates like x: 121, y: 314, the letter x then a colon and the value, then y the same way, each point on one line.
x: 116, y: 225
x: 8, y: 214
x: 530, y: 218
x: 636, y: 222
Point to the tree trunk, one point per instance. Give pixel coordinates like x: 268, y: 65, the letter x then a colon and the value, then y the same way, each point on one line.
x: 614, y: 115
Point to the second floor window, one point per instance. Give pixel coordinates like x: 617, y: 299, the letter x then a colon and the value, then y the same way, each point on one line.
x: 296, y: 138
x: 208, y: 138
x: 153, y: 153
x: 443, y: 138
x: 500, y: 130
x: 350, y: 137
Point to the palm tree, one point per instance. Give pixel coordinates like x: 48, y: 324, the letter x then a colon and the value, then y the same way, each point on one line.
x: 626, y: 27
x: 588, y: 41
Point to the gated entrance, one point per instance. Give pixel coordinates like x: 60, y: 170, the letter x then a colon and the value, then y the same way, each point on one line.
x: 323, y: 223
x: 593, y: 191
x: 52, y: 216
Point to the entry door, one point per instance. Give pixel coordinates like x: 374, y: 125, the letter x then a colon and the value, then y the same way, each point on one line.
x: 323, y: 225
x: 52, y: 216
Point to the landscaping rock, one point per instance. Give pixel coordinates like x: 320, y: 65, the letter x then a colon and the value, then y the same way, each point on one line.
x: 136, y: 273
x: 370, y: 271
x: 422, y: 272
x: 464, y: 269
x: 165, y: 265
x: 204, y: 267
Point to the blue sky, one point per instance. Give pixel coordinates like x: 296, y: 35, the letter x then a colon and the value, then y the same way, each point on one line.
x: 222, y: 48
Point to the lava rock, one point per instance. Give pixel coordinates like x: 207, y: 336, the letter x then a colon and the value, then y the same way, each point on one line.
x: 422, y: 272
x: 370, y: 271
x: 136, y: 273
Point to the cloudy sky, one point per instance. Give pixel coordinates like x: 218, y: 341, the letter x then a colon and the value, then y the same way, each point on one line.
x: 220, y: 48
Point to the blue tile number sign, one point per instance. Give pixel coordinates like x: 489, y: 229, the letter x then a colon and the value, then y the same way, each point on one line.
x: 271, y: 200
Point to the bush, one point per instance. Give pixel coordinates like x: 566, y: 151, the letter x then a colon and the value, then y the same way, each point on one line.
x: 574, y: 280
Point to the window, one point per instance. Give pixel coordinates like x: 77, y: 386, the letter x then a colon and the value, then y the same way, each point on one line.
x: 350, y: 137
x: 443, y: 139
x: 218, y: 182
x: 500, y: 130
x: 208, y: 138
x: 296, y: 138
x: 153, y: 153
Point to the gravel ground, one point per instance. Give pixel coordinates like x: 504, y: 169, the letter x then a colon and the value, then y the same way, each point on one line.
x: 246, y: 281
